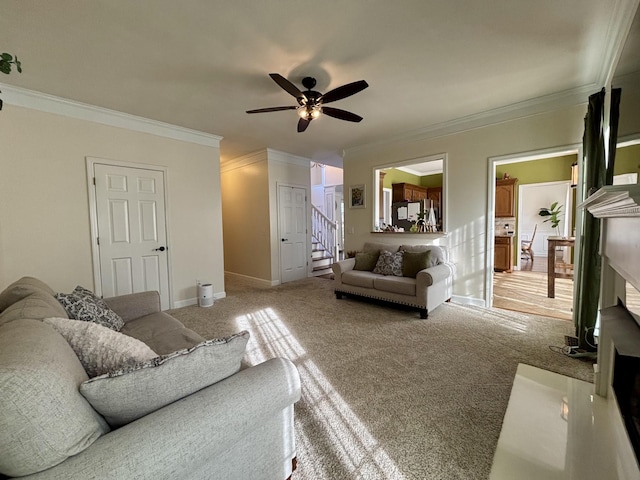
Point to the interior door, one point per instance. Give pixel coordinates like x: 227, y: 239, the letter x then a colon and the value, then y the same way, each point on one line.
x: 132, y: 236
x: 292, y: 228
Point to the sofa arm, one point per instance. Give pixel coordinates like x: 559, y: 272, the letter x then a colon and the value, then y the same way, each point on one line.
x: 432, y: 275
x: 135, y: 305
x: 184, y: 439
x: 343, y: 266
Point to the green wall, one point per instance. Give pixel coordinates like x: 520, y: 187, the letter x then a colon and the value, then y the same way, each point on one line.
x: 398, y: 176
x: 627, y: 160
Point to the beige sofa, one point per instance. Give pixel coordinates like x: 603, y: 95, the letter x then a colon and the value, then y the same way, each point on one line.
x: 431, y: 286
x: 238, y: 427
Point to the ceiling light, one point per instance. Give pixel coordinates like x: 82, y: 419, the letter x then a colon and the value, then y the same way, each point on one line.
x: 309, y: 112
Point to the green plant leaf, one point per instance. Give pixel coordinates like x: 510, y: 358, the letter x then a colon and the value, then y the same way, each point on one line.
x: 553, y: 206
x: 6, y: 56
x: 5, y: 67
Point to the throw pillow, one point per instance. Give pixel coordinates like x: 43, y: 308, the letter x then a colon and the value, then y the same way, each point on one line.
x: 389, y: 263
x: 83, y: 304
x: 366, y: 261
x: 413, y: 262
x: 130, y: 393
x: 100, y: 349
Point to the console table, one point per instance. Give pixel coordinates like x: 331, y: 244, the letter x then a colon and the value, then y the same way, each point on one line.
x: 552, y: 274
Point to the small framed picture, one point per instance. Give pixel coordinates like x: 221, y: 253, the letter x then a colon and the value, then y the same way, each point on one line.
x: 356, y: 196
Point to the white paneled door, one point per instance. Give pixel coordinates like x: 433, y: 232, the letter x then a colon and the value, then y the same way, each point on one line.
x: 292, y: 228
x: 132, y: 236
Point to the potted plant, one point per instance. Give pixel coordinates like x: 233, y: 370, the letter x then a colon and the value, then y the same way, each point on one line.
x: 6, y: 62
x: 553, y: 215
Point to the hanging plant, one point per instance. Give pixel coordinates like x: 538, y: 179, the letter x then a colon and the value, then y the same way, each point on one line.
x: 7, y: 62
x: 553, y: 214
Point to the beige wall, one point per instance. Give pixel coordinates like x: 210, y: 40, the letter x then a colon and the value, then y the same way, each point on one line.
x: 250, y: 192
x: 44, y: 200
x: 246, y: 217
x: 467, y: 184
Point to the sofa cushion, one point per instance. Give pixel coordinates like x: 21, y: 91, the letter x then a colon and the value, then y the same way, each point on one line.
x: 402, y: 285
x: 21, y: 289
x: 358, y: 278
x: 366, y: 261
x: 36, y: 306
x: 128, y: 394
x: 44, y: 419
x: 100, y: 349
x: 162, y: 333
x: 82, y: 304
x: 389, y: 263
x: 413, y: 262
x: 438, y: 254
x: 377, y: 247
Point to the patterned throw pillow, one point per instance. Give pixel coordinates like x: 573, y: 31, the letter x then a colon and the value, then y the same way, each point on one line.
x: 125, y: 395
x: 100, y: 349
x: 389, y: 263
x: 83, y: 304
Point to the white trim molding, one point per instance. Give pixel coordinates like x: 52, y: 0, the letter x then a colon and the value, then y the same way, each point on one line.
x: 22, y: 97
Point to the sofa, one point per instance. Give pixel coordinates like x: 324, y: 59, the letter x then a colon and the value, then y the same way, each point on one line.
x: 191, y: 411
x: 427, y: 284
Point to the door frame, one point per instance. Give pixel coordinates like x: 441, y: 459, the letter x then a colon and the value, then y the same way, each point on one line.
x: 492, y: 163
x: 308, y: 227
x: 93, y: 217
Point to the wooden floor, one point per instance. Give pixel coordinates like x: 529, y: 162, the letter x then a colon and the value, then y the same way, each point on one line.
x: 525, y: 290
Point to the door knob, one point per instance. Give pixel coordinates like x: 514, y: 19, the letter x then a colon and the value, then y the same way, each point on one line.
x: 285, y: 239
x: 159, y: 249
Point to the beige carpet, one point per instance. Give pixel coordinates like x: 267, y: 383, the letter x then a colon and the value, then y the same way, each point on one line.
x: 386, y: 395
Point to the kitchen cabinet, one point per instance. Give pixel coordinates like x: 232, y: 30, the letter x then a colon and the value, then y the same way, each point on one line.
x: 503, y: 253
x: 407, y: 192
x: 506, y: 197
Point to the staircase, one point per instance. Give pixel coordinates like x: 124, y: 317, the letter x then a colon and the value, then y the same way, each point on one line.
x: 323, y: 241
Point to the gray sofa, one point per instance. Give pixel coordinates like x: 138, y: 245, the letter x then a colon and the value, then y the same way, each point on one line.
x: 431, y: 286
x: 238, y: 428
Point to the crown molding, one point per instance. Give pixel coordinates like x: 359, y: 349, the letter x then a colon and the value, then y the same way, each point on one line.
x: 43, y: 102
x: 287, y: 158
x: 527, y: 108
x: 624, y: 12
x: 243, y: 161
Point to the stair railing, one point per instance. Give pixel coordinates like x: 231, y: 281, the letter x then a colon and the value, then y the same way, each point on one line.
x: 325, y: 231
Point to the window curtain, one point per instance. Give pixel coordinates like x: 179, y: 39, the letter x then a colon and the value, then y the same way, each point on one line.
x: 597, y: 173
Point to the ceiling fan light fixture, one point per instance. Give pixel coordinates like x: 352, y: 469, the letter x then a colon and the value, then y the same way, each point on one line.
x: 309, y: 112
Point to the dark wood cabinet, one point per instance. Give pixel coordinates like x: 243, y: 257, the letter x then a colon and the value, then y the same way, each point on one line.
x: 506, y: 197
x: 503, y: 254
x: 407, y: 192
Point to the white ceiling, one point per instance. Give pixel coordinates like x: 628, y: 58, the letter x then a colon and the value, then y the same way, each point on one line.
x: 201, y: 64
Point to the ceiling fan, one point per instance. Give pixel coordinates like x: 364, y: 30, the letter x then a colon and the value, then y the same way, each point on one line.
x: 311, y: 103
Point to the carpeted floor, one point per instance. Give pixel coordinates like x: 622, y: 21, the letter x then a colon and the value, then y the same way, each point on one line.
x: 386, y: 395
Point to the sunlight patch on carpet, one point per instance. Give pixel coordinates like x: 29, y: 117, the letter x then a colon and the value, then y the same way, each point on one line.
x: 353, y: 445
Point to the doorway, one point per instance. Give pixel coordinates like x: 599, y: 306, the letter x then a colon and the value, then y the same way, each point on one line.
x: 128, y: 217
x: 543, y: 178
x: 292, y: 232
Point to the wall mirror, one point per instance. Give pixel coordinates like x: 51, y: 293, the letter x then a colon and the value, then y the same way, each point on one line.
x: 408, y: 191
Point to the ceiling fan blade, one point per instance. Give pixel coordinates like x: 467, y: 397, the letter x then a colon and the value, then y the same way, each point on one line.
x: 341, y: 114
x: 303, y: 123
x: 287, y: 85
x: 344, y: 91
x: 270, y: 109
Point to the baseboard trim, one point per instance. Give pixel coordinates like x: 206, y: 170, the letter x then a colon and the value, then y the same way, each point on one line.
x: 258, y: 282
x: 194, y: 301
x: 477, y: 302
